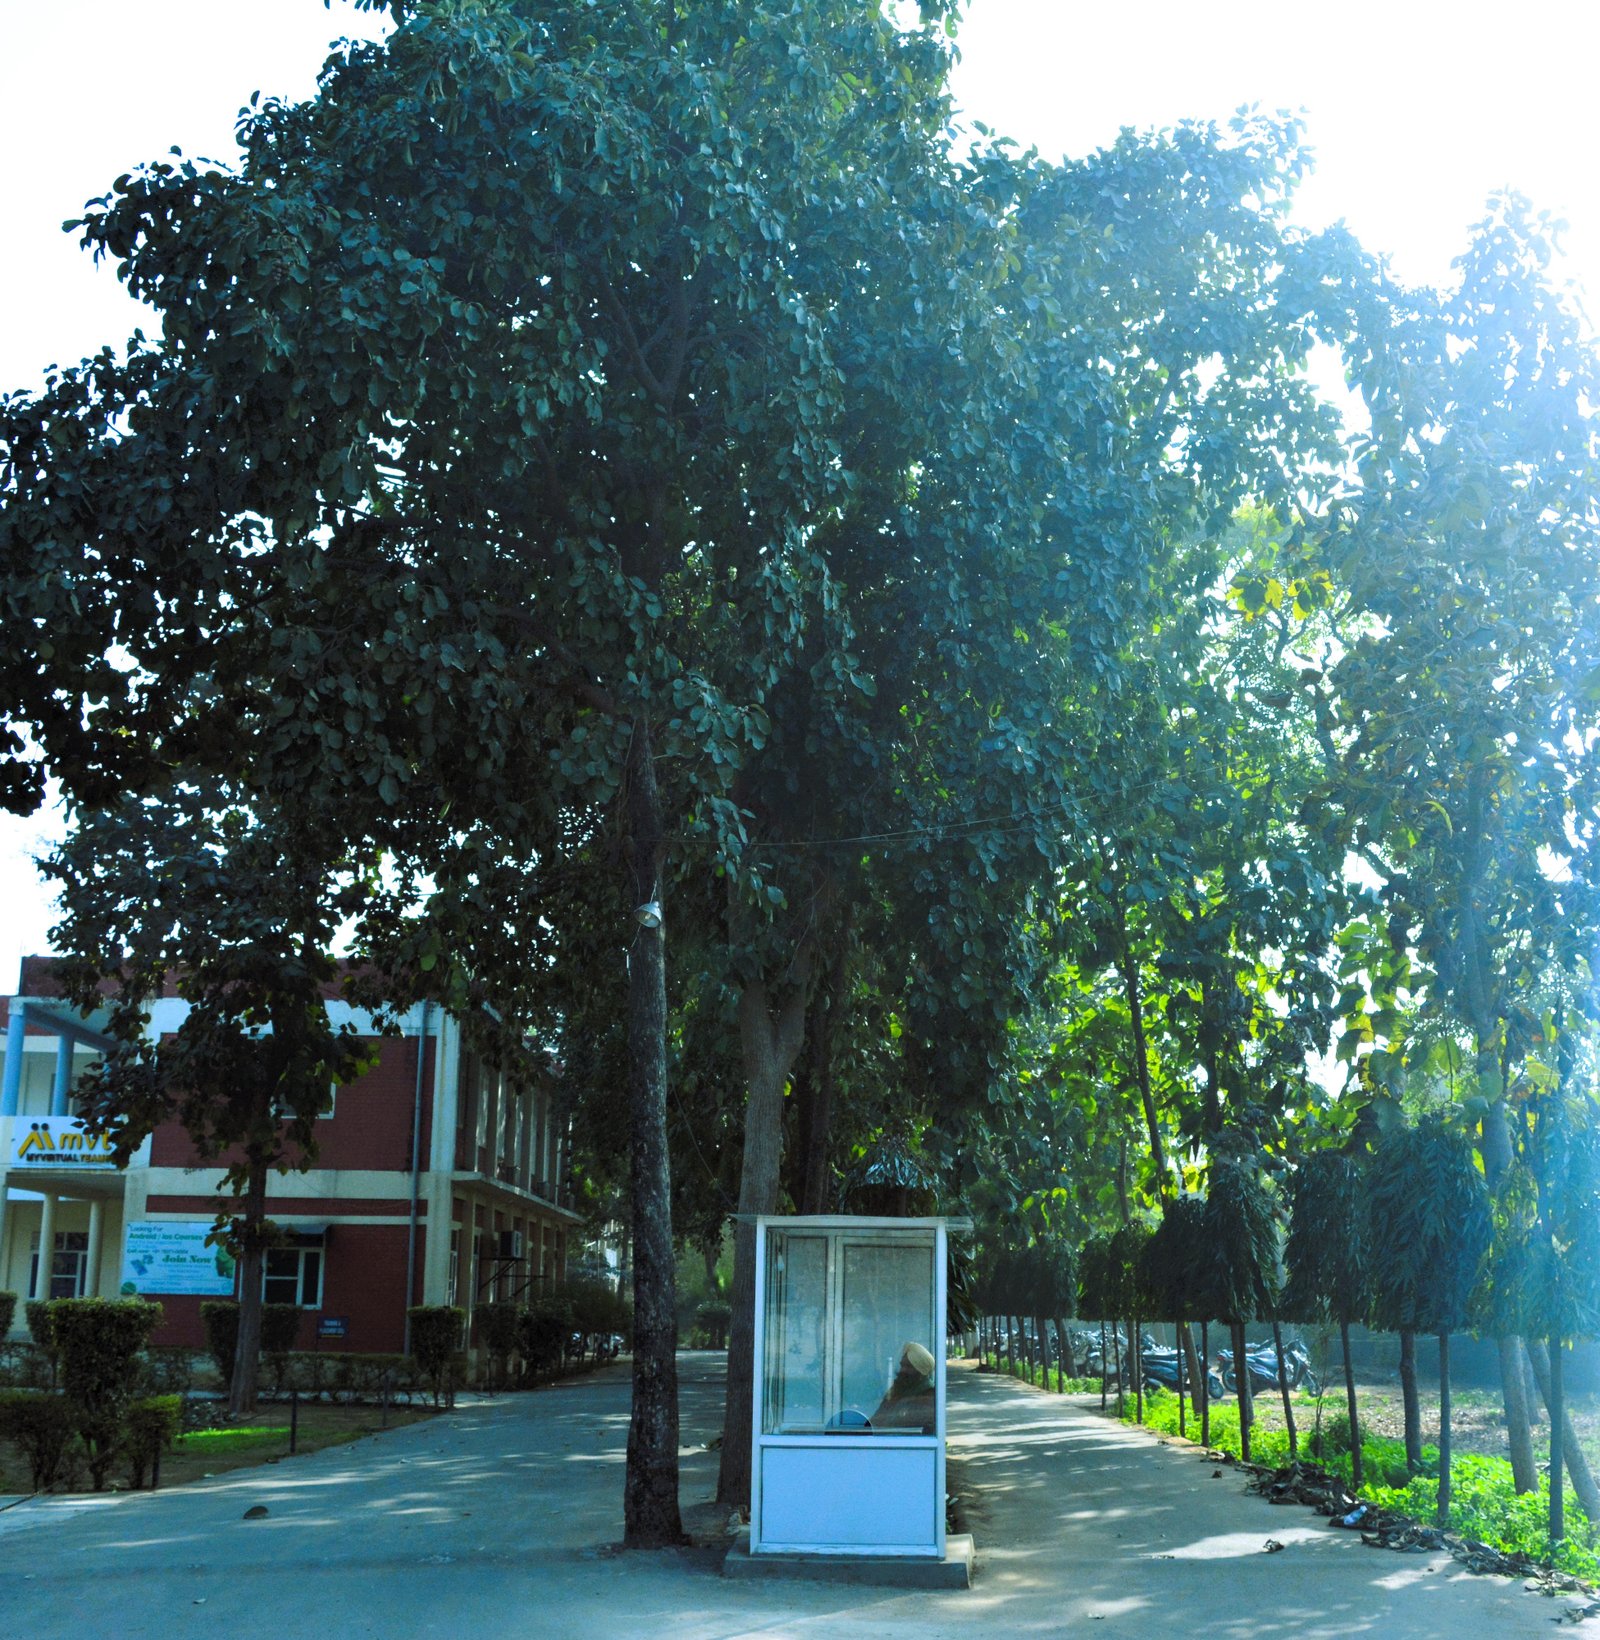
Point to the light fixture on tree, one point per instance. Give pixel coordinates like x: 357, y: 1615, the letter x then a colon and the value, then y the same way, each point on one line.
x: 648, y: 915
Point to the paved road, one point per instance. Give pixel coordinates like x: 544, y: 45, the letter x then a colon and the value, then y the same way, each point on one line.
x: 500, y: 1522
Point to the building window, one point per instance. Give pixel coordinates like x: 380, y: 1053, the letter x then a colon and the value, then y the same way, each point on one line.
x: 293, y: 1275
x: 68, y: 1265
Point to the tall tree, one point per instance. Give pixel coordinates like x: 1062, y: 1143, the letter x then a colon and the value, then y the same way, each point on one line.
x: 234, y: 912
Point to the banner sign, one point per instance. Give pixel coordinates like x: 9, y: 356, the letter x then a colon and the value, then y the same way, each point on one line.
x: 174, y: 1258
x: 47, y: 1144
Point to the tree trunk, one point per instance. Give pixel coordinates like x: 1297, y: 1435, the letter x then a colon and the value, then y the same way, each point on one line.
x: 1241, y: 1379
x: 1444, y: 1429
x: 1350, y: 1404
x: 1283, y: 1389
x: 247, y: 1353
x: 1116, y: 1362
x: 819, y: 1082
x: 650, y: 1518
x: 1136, y: 1357
x: 1582, y: 1477
x: 1185, y: 1347
x: 1205, y: 1383
x: 1558, y: 1412
x: 1105, y: 1364
x: 769, y: 1043
x: 1408, y: 1395
x: 1196, y: 1370
x: 1498, y: 1153
x: 1519, y: 1430
x: 1063, y: 1356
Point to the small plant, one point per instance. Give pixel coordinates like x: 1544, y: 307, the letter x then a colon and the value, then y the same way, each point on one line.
x: 220, y: 1318
x: 712, y: 1318
x: 149, y: 1428
x: 280, y: 1328
x: 497, y: 1327
x: 99, y: 1340
x: 8, y: 1312
x: 37, y: 1311
x: 435, y: 1331
x: 543, y: 1329
x: 40, y: 1427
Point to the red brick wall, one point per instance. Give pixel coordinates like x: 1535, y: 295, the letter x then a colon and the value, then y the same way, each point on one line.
x: 370, y: 1127
x: 363, y: 1280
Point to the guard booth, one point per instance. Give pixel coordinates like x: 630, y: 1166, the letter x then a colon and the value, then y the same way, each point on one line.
x: 849, y: 1409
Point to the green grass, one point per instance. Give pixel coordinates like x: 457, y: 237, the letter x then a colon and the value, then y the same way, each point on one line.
x: 1483, y: 1499
x: 218, y: 1441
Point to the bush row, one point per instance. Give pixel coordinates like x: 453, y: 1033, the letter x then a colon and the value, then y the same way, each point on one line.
x: 90, y: 1348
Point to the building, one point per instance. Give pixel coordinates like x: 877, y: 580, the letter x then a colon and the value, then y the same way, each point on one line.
x: 434, y: 1183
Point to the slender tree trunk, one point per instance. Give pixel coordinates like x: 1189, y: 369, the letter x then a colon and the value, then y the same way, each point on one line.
x: 1444, y: 1429
x: 247, y: 1354
x: 1116, y: 1359
x: 1105, y: 1364
x: 1205, y: 1383
x: 826, y: 1011
x: 1498, y: 1154
x: 650, y: 1518
x: 1136, y: 1356
x: 1284, y: 1391
x: 1185, y: 1346
x: 1350, y: 1404
x: 1578, y: 1471
x: 1408, y: 1396
x: 1519, y: 1429
x: 1195, y: 1367
x: 1241, y: 1379
x: 1558, y: 1410
x: 1063, y: 1356
x: 770, y: 1041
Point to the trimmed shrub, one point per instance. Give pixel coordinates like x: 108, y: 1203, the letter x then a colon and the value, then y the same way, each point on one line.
x: 40, y: 1427
x: 220, y: 1318
x: 167, y: 1370
x: 37, y: 1311
x: 99, y: 1340
x: 435, y: 1331
x: 712, y: 1319
x: 497, y: 1327
x: 280, y: 1330
x: 8, y: 1312
x: 24, y: 1366
x: 149, y: 1428
x: 543, y: 1330
x: 598, y: 1310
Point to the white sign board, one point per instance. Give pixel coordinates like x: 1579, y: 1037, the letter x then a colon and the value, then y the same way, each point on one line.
x: 174, y: 1258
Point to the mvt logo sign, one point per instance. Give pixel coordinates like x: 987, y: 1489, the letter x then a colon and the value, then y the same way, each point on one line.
x: 57, y: 1141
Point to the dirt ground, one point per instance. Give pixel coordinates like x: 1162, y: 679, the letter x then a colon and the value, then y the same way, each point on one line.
x: 1477, y: 1418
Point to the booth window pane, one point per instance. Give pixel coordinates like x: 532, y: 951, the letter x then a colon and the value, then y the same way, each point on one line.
x: 887, y: 1304
x: 793, y: 1396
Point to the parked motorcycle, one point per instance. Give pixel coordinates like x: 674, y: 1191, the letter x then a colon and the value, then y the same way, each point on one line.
x: 1262, y: 1361
x: 1160, y: 1366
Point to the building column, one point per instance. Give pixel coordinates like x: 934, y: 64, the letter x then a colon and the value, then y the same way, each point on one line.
x: 47, y: 1246
x: 11, y: 1085
x: 91, y: 1268
x: 61, y: 1093
x: 5, y: 1192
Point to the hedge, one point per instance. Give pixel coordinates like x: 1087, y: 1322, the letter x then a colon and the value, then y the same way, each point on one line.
x: 149, y: 1428
x: 98, y: 1341
x: 40, y: 1426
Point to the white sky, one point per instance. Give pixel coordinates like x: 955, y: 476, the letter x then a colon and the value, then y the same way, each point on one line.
x: 1416, y: 112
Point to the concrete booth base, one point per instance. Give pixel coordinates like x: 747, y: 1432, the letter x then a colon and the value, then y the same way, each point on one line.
x: 953, y: 1571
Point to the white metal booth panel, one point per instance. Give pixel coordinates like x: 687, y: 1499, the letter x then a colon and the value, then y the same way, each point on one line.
x: 849, y: 1404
